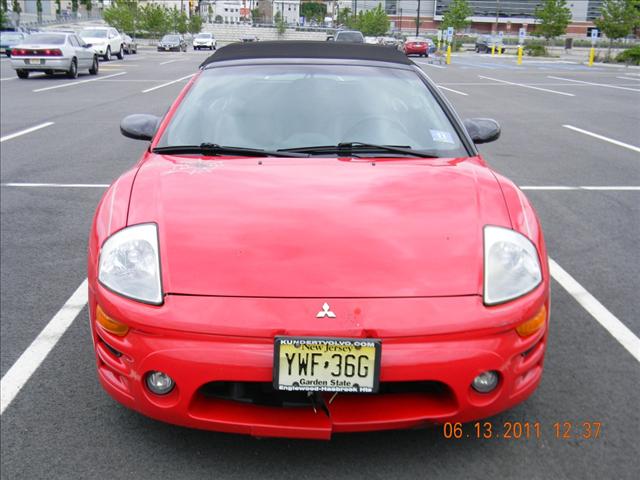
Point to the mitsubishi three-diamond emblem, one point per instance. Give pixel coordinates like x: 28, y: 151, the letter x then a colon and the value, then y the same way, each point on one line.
x: 325, y: 312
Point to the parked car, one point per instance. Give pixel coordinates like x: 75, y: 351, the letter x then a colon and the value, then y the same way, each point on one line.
x: 249, y: 39
x: 417, y: 46
x: 204, y: 40
x: 106, y: 41
x: 261, y: 271
x: 52, y: 52
x: 172, y: 42
x: 371, y: 40
x: 348, y: 36
x: 129, y: 44
x: 9, y: 39
x: 484, y: 43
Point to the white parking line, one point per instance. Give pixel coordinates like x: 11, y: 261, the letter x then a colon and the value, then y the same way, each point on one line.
x: 429, y: 64
x: 620, y: 188
x: 8, y: 78
x: 528, y: 86
x: 452, y: 90
x: 602, y: 137
x: 167, y: 84
x: 595, y: 84
x: 25, y: 131
x: 629, y: 78
x: 604, y: 317
x: 72, y: 84
x: 58, y: 185
x: 171, y: 61
x: 20, y: 372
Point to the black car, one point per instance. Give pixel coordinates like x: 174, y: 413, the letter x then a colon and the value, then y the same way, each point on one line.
x: 347, y: 36
x: 172, y: 42
x: 484, y: 43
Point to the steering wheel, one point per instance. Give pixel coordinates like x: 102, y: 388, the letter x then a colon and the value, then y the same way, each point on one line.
x: 355, y: 130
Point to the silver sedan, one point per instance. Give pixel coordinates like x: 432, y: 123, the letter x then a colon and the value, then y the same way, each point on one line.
x: 52, y: 52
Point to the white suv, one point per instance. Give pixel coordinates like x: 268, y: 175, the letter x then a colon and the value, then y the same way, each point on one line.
x: 105, y: 41
x: 204, y: 40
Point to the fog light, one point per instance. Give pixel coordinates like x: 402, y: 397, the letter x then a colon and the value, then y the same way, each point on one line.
x: 485, y: 382
x: 159, y: 383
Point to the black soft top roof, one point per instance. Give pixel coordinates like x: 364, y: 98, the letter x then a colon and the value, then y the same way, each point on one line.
x: 294, y: 49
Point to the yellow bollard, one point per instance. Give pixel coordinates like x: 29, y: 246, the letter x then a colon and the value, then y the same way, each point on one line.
x: 449, y: 55
x: 439, y: 45
x: 499, y: 50
x: 493, y: 50
x: 592, y: 55
x: 520, y: 55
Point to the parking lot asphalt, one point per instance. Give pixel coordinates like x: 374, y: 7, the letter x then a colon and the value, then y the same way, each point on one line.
x: 564, y: 126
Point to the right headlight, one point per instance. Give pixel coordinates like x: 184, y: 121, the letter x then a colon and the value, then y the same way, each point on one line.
x: 130, y: 263
x: 511, y: 265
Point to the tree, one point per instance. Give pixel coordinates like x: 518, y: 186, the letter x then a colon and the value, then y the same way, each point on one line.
x: 373, y: 22
x: 313, y: 11
x: 344, y: 16
x: 74, y: 6
x: 456, y: 15
x: 195, y: 24
x: 39, y: 10
x: 178, y: 20
x: 17, y: 10
x: 554, y: 17
x: 281, y: 25
x: 618, y: 18
x: 122, y: 15
x: 154, y: 19
x: 255, y: 15
x: 209, y: 12
x: 58, y: 7
x: 3, y: 18
x: 4, y: 6
x: 87, y: 4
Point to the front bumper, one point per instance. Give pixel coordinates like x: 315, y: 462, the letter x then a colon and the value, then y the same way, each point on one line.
x: 447, y: 362
x: 174, y: 48
x: 40, y: 63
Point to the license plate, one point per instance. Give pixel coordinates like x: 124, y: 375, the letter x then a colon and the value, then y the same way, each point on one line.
x: 166, y: 48
x: 34, y: 61
x: 326, y: 364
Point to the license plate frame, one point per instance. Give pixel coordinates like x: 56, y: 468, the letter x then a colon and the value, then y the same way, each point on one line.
x: 322, y: 382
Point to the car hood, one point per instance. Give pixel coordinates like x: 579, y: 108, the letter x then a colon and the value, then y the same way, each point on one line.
x: 318, y: 227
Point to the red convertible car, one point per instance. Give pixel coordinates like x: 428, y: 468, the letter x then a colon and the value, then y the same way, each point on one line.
x: 311, y: 243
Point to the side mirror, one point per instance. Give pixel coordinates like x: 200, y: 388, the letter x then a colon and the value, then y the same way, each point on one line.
x: 330, y: 38
x: 482, y: 130
x: 88, y: 45
x: 139, y: 126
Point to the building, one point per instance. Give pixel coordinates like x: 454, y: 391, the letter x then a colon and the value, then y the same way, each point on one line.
x: 289, y: 10
x: 488, y: 15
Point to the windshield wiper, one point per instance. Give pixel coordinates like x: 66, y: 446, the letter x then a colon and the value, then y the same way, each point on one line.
x: 348, y: 148
x: 212, y: 149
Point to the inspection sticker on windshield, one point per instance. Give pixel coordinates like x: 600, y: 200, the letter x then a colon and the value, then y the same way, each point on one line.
x: 440, y: 136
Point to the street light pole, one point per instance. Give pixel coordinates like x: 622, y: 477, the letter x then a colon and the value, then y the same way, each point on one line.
x: 418, y: 20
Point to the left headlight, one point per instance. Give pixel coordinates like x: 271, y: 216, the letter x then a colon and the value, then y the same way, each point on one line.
x: 130, y: 263
x: 511, y: 265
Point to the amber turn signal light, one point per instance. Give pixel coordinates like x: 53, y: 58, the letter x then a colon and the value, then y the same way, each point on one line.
x: 109, y: 324
x: 534, y: 324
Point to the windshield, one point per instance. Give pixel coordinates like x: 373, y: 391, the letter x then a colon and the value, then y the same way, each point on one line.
x: 349, y: 37
x: 203, y: 35
x: 286, y: 106
x: 48, y: 38
x: 94, y: 33
x: 416, y: 39
x: 170, y: 38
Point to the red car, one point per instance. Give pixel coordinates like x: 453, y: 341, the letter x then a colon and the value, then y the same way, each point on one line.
x: 416, y: 46
x: 311, y: 245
